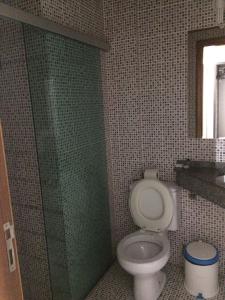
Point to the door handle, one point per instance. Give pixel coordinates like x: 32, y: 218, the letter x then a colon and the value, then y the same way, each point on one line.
x: 9, y: 236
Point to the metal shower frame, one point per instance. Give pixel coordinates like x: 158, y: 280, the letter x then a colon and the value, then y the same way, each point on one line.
x: 9, y: 12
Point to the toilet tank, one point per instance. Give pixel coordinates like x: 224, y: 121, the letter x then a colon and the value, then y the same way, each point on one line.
x: 175, y: 192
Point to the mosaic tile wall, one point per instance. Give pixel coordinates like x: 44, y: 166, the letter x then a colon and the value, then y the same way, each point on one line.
x: 65, y: 79
x: 146, y: 104
x: 31, y: 6
x: 81, y: 15
x: 17, y: 121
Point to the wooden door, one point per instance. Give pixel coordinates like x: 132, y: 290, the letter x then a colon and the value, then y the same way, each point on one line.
x: 10, y: 281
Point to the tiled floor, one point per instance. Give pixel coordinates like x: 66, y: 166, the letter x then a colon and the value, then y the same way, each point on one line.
x: 117, y: 285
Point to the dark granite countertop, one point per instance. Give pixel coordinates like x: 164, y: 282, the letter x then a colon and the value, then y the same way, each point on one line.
x: 202, y: 178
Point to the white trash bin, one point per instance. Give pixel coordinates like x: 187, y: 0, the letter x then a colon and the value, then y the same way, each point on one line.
x: 201, y: 269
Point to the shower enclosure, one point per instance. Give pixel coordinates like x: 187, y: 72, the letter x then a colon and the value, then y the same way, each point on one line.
x: 52, y: 112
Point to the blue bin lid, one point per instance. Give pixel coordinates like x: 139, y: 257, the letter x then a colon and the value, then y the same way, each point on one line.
x: 201, y: 253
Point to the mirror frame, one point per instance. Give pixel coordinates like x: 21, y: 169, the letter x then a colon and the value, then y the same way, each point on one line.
x: 198, y: 39
x: 199, y: 79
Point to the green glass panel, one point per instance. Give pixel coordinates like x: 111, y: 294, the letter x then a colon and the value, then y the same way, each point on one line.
x: 65, y: 87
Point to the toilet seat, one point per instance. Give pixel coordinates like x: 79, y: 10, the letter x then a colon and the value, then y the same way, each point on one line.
x: 151, y: 205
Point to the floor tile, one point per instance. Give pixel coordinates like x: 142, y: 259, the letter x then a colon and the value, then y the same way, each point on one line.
x: 117, y: 285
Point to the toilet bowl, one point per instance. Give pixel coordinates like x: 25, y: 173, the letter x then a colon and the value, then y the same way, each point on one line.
x: 144, y: 253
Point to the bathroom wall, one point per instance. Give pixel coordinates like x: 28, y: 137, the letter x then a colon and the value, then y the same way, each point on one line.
x: 17, y: 121
x: 146, y: 104
x: 81, y: 15
x: 31, y: 6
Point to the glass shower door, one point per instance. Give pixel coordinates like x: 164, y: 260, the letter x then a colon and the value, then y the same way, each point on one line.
x: 65, y: 89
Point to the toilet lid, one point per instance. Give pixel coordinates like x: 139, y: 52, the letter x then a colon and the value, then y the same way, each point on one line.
x: 151, y: 205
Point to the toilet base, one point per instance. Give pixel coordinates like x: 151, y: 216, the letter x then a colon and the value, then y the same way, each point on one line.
x: 149, y: 287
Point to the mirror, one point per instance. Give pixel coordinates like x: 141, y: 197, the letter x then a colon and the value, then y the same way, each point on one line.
x: 206, y: 72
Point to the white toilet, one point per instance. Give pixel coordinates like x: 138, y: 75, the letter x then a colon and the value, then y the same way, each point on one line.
x: 153, y: 206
